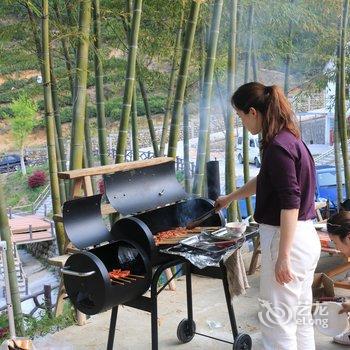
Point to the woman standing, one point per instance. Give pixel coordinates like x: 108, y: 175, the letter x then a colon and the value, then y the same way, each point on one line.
x: 285, y: 205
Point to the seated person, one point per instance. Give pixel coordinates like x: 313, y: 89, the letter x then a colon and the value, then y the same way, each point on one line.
x: 338, y: 227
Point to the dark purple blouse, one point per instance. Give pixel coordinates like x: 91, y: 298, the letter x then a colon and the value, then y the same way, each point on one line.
x: 286, y: 180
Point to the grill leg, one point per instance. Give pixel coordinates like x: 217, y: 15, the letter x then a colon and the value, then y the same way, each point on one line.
x: 112, y: 326
x: 189, y: 293
x: 231, y: 312
x: 154, y: 312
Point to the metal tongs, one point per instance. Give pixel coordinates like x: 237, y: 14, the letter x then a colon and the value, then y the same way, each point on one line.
x: 196, y: 222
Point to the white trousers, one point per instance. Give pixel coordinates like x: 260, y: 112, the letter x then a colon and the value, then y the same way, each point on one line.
x: 285, y: 311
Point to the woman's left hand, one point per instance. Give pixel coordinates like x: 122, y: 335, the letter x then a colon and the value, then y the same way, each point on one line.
x: 283, y: 271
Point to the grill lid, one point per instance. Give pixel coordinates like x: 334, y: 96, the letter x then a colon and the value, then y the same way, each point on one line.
x: 83, y: 222
x: 143, y: 189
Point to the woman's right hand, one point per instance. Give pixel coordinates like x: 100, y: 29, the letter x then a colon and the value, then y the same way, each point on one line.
x: 222, y: 202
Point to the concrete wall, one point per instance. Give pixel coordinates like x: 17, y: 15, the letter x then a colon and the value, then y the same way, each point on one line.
x: 313, y: 130
x: 308, y: 102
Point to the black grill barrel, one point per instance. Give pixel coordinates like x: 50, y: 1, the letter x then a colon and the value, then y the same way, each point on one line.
x: 179, y: 214
x: 92, y: 293
x: 134, y: 229
x: 142, y: 227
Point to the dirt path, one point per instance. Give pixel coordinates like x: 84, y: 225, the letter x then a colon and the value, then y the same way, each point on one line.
x: 24, y: 74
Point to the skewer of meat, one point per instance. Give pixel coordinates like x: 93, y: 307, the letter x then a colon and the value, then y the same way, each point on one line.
x: 130, y: 278
x: 116, y: 282
x: 117, y: 273
x: 123, y: 279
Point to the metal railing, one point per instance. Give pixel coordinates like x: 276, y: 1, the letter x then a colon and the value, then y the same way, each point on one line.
x: 45, y: 305
x: 179, y: 162
x: 325, y: 155
x: 32, y: 207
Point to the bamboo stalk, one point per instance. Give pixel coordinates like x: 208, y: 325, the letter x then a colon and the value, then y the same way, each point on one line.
x: 53, y: 89
x: 182, y: 77
x: 245, y: 131
x: 5, y: 235
x: 148, y: 115
x: 100, y: 99
x: 50, y: 126
x: 134, y: 127
x: 60, y: 151
x: 343, y: 126
x: 129, y: 82
x: 78, y: 120
x: 174, y: 69
x: 206, y: 98
x: 238, y: 35
x: 337, y: 157
x: 186, y: 132
x: 65, y: 48
x: 230, y: 156
x: 88, y: 141
x: 254, y: 61
x: 288, y: 56
x: 36, y: 37
x: 59, y: 169
x: 203, y: 49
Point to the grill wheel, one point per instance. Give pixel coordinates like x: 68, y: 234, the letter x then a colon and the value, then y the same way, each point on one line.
x: 242, y: 342
x: 185, y: 332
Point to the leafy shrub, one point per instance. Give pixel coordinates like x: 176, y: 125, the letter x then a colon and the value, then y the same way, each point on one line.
x: 4, y: 327
x: 5, y: 112
x: 114, y: 106
x: 156, y: 105
x: 66, y: 114
x: 37, y: 179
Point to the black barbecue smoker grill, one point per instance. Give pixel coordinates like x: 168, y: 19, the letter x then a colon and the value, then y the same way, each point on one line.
x: 151, y: 200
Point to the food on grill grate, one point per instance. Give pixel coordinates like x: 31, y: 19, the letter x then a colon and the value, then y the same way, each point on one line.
x: 176, y: 232
x: 118, y: 273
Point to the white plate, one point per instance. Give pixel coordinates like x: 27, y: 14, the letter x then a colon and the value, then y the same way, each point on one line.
x: 327, y: 319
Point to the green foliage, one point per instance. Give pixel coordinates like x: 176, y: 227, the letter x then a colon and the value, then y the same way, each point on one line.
x: 41, y: 325
x: 5, y: 111
x: 23, y: 120
x: 13, y: 89
x: 180, y: 176
x: 114, y: 107
x: 16, y: 190
x: 66, y: 114
x: 313, y: 44
x: 314, y: 34
x: 46, y: 324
